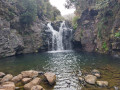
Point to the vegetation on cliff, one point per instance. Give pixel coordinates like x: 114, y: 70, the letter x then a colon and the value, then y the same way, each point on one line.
x: 99, y: 24
x: 28, y: 10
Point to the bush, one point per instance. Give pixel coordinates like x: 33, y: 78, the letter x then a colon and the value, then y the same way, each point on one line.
x: 104, y: 46
x: 117, y: 34
x: 74, y: 22
x: 29, y: 12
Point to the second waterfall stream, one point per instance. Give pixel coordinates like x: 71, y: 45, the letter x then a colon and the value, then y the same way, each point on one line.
x: 60, y: 39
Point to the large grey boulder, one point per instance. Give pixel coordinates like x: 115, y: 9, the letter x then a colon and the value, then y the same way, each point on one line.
x: 29, y: 74
x: 34, y: 82
x: 90, y: 79
x: 51, y: 77
x: 8, y: 86
x: 17, y: 78
x: 7, y: 78
x: 2, y: 74
x: 26, y: 80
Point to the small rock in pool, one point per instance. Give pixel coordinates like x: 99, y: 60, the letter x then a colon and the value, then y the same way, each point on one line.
x: 81, y: 79
x: 37, y: 87
x: 102, y: 83
x: 51, y: 77
x: 90, y: 79
x: 26, y: 80
x: 97, y: 75
x: 95, y: 71
x: 2, y: 74
x: 116, y: 88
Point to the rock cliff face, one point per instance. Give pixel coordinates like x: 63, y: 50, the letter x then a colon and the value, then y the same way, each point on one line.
x: 14, y: 42
x: 10, y: 41
x: 16, y: 38
x: 97, y: 29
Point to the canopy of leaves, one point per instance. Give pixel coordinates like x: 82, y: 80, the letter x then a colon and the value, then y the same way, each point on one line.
x: 30, y: 10
x: 82, y: 5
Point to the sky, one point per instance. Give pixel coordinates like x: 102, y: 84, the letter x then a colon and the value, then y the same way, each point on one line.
x: 60, y: 5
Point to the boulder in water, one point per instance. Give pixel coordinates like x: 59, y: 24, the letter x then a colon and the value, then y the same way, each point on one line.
x: 17, y: 78
x: 37, y: 87
x: 34, y: 82
x: 91, y: 79
x: 8, y: 86
x: 96, y: 73
x: 26, y: 80
x: 2, y: 74
x: 7, y: 78
x: 81, y: 79
x: 102, y: 83
x: 29, y: 74
x: 51, y: 77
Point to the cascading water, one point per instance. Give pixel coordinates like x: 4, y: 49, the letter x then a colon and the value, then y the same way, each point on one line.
x: 61, y: 40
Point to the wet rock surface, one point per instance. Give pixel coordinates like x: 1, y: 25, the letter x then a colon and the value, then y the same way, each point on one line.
x: 17, y: 78
x: 8, y: 86
x: 7, y: 78
x: 91, y: 79
x: 102, y: 83
x: 37, y: 87
x: 26, y: 80
x: 51, y: 77
x: 34, y: 82
x: 2, y: 74
x: 29, y: 74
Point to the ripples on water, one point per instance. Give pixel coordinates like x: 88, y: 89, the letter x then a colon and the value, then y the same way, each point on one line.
x: 67, y: 65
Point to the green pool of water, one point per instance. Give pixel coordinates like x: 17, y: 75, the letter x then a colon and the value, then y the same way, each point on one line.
x: 67, y: 65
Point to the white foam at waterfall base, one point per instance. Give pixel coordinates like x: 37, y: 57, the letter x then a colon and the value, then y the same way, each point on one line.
x: 58, y: 41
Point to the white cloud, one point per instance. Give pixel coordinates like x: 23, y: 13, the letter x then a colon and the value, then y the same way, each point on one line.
x: 60, y: 5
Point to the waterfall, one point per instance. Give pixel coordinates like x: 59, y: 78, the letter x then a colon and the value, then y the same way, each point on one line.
x: 61, y: 39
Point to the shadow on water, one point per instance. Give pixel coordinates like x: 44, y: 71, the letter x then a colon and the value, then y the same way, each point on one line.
x: 67, y: 65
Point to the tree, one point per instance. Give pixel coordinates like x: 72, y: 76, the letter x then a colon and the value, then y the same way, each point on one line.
x: 29, y: 11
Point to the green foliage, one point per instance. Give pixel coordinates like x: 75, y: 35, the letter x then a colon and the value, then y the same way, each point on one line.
x: 59, y: 18
x: 104, y: 46
x: 28, y: 12
x: 101, y: 27
x: 45, y: 9
x: 117, y: 34
x: 81, y: 33
x: 74, y: 22
x: 31, y: 9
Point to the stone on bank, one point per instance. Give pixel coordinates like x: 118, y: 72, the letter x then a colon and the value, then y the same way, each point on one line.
x: 7, y: 78
x: 29, y: 74
x: 2, y: 74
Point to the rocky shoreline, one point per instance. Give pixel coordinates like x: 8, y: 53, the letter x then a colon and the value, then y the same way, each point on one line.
x: 30, y: 80
x: 34, y: 80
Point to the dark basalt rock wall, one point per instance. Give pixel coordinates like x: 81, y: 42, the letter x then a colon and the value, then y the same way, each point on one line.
x: 16, y: 39
x: 97, y: 30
